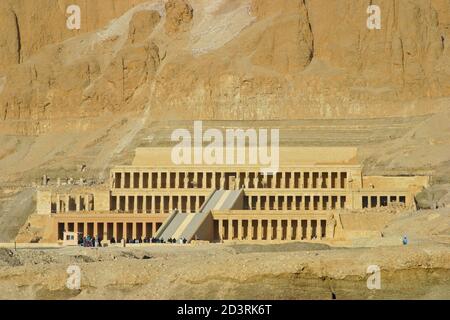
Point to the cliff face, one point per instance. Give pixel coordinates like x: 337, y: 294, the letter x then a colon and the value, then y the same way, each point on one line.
x: 28, y: 26
x: 235, y: 59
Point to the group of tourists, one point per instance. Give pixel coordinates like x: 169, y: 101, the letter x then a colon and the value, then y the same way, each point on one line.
x: 149, y: 240
x: 181, y: 240
x: 88, y: 241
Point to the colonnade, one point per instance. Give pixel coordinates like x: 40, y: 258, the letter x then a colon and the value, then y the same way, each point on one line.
x: 75, y: 203
x: 108, y: 230
x: 291, y: 202
x: 377, y: 201
x: 229, y: 180
x: 156, y: 203
x: 273, y: 229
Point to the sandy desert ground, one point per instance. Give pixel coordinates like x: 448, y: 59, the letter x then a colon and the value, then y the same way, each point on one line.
x: 419, y: 270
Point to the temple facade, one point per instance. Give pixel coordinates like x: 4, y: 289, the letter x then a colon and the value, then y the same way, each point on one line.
x: 226, y: 202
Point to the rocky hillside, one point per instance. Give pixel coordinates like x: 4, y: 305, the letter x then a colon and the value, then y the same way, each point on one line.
x: 227, y: 59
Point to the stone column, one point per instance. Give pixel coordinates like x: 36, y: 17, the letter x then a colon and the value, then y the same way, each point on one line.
x: 237, y: 182
x: 171, y: 203
x: 188, y: 204
x: 77, y: 203
x: 127, y: 204
x: 299, y: 230
x: 132, y: 180
x: 258, y: 203
x: 134, y: 230
x: 161, y: 204
x: 197, y: 203
x: 213, y: 182
x: 125, y: 231
x: 259, y: 231
x: 337, y: 182
x: 186, y: 180
x: 329, y: 180
x: 75, y: 229
x: 308, y: 229
x: 221, y: 229
x: 89, y: 202
x: 285, y: 204
x: 153, y: 204
x: 240, y: 234
x: 276, y: 203
x: 279, y: 229
x: 117, y: 203
x: 96, y: 230
x: 177, y: 180
x: 105, y: 231
x: 255, y: 181
x: 154, y: 230
x: 222, y: 181
x: 115, y: 230
x: 58, y: 204
x: 269, y: 229
x: 65, y: 207
x: 289, y: 230
x: 310, y: 178
x: 122, y: 180
x: 204, y: 181
x: 158, y: 180
x: 141, y: 180
x: 283, y: 180
x: 85, y: 229
x: 320, y: 204
x: 144, y: 204
x: 135, y: 204
x: 303, y: 203
x: 319, y: 229
x: 230, y: 229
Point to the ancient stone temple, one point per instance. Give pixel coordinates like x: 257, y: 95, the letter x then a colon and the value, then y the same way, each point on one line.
x: 153, y: 198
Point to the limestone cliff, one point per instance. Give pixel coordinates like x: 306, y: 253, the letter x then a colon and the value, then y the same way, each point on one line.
x: 228, y: 59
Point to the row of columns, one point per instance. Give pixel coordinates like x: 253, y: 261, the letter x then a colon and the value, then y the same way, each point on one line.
x: 295, y: 202
x: 82, y: 202
x: 377, y: 201
x: 119, y: 230
x: 300, y: 180
x: 148, y: 204
x: 270, y: 229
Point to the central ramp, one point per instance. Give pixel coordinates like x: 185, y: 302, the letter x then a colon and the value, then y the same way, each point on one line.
x: 189, y: 225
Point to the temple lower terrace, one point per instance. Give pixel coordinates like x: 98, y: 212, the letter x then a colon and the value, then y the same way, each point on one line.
x: 153, y: 198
